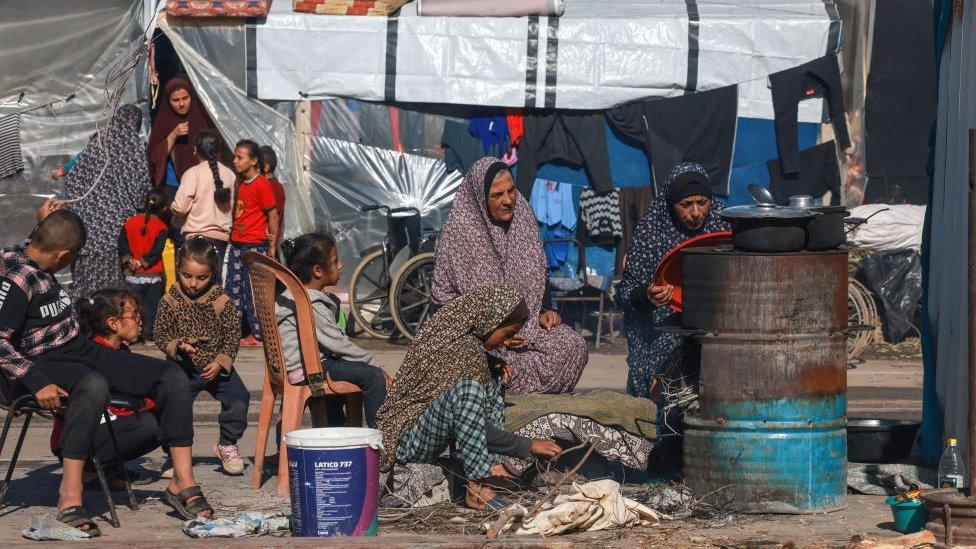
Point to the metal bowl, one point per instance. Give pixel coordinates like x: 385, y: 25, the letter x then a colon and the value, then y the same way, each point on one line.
x: 871, y: 440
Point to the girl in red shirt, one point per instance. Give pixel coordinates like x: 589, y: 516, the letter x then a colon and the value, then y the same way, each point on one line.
x: 254, y: 228
x: 141, y: 243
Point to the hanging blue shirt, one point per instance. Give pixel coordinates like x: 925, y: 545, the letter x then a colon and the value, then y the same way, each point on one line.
x: 552, y: 203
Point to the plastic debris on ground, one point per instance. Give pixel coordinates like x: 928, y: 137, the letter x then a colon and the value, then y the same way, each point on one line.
x: 48, y: 528
x: 241, y: 525
x: 590, y: 507
x: 888, y: 479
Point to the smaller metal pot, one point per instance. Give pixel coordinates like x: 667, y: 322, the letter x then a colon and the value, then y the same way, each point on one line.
x: 767, y: 228
x: 826, y: 231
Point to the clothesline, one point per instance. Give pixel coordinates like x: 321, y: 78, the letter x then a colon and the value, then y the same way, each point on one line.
x: 64, y: 99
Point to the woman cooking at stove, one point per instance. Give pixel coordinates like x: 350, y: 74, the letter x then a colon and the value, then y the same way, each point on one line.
x: 682, y: 209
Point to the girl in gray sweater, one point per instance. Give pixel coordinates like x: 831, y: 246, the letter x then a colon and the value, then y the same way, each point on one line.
x: 314, y: 258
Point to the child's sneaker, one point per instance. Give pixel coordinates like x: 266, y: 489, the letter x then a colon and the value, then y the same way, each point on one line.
x: 230, y: 459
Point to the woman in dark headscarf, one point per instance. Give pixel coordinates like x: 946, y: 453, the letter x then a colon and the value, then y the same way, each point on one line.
x: 492, y: 237
x: 117, y: 191
x: 446, y: 392
x: 174, y: 133
x: 683, y: 209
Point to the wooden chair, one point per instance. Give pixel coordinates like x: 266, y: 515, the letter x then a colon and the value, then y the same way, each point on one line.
x: 264, y: 273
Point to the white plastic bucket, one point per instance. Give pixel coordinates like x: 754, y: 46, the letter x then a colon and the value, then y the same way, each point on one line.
x: 334, y: 478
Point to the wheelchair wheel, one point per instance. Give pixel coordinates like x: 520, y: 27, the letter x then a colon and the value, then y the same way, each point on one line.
x: 369, y: 297
x: 862, y: 318
x: 410, y: 293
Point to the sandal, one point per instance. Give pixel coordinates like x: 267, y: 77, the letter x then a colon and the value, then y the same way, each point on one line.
x: 191, y: 510
x: 76, y: 517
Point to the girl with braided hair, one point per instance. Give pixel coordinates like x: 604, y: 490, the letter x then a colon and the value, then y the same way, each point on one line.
x: 205, y: 196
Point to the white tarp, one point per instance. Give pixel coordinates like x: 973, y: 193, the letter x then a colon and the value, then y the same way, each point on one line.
x: 599, y: 54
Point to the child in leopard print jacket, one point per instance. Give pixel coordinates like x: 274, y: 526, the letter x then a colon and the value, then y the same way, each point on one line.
x: 198, y: 327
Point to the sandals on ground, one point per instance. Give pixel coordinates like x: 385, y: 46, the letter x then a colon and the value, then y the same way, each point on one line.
x: 76, y: 517
x: 191, y: 510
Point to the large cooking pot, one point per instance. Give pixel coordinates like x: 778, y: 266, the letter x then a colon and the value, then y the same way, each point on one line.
x: 826, y: 231
x: 768, y: 228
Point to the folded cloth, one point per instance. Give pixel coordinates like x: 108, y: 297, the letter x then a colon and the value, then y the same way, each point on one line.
x: 635, y: 415
x: 242, y: 524
x: 496, y: 8
x: 888, y: 479
x: 48, y: 528
x: 590, y: 507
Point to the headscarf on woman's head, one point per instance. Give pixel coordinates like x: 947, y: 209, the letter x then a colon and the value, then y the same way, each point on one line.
x: 120, y: 187
x: 166, y: 119
x: 448, y: 349
x: 473, y: 251
x: 687, y: 179
x: 660, y: 230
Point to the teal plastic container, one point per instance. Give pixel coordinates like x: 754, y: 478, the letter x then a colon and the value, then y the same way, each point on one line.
x: 909, y: 516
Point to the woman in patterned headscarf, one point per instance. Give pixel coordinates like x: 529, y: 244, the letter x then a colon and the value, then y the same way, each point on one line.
x: 112, y: 194
x: 491, y: 236
x: 682, y: 209
x: 446, y: 391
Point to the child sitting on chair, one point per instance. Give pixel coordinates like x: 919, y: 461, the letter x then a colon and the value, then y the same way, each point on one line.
x: 110, y: 318
x: 314, y: 259
x: 198, y: 327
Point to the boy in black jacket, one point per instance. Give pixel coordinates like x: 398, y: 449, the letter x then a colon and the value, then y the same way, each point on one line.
x: 43, y: 353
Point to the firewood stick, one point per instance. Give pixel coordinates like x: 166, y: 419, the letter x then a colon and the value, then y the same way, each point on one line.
x: 514, y: 512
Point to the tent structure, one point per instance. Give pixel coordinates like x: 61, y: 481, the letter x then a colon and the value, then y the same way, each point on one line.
x: 323, y: 90
x: 282, y: 77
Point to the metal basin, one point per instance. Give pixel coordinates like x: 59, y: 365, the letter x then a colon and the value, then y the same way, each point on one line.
x: 880, y: 440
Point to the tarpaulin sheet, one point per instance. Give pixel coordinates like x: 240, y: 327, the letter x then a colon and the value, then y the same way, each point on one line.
x: 597, y: 55
x: 46, y: 54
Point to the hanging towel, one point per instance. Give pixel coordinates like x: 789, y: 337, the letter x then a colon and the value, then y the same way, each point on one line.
x: 601, y: 213
x: 11, y: 157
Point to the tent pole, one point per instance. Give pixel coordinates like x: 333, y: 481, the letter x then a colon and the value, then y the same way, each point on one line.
x: 972, y: 311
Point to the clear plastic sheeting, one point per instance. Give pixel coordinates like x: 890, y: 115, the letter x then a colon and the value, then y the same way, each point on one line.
x: 597, y: 55
x: 239, y: 117
x: 346, y: 176
x: 48, y: 53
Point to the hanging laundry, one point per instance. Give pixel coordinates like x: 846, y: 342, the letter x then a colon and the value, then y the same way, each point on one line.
x: 461, y: 148
x: 634, y: 202
x: 818, y: 78
x: 698, y: 127
x: 577, y: 138
x: 552, y: 203
x: 556, y: 252
x: 493, y: 133
x: 818, y: 174
x: 11, y: 157
x: 515, y: 130
x: 601, y: 213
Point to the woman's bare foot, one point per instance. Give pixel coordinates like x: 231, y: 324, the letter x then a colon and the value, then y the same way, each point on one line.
x: 175, y: 488
x: 478, y: 495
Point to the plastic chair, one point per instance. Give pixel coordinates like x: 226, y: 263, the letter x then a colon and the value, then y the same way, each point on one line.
x: 27, y: 406
x: 264, y: 273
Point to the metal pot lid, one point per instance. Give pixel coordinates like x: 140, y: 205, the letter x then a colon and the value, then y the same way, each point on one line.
x: 765, y: 212
x: 829, y: 209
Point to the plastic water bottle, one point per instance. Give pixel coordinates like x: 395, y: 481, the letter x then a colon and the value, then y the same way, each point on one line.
x: 952, y: 470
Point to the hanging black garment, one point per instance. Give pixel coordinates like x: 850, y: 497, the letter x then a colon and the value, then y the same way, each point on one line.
x: 576, y: 138
x: 818, y: 174
x: 698, y: 127
x: 818, y: 78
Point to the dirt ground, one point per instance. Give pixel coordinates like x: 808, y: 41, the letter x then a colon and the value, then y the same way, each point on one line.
x: 886, y: 386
